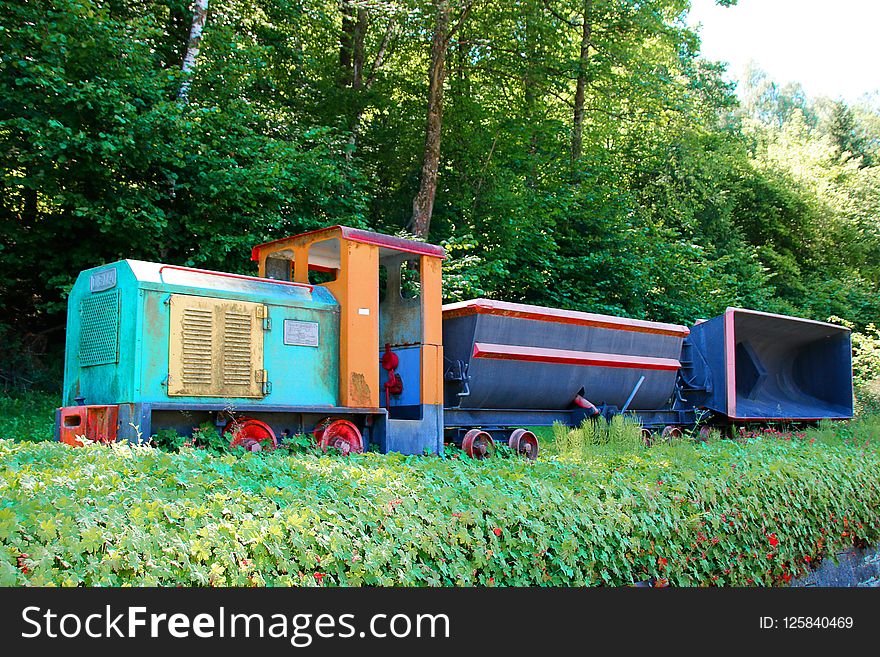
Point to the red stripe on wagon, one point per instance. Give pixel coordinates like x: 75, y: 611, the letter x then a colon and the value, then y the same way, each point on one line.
x: 558, y: 316
x: 567, y: 357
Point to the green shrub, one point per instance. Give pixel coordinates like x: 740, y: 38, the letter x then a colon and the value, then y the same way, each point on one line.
x: 621, y: 433
x: 169, y: 440
x: 725, y: 513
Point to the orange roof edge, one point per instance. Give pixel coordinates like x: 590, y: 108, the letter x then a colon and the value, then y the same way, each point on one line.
x: 362, y: 236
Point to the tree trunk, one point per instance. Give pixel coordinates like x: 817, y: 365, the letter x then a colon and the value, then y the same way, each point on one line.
x: 582, y: 80
x: 179, y: 21
x: 423, y: 203
x: 200, y: 15
x: 530, y: 87
x: 352, y: 58
x: 351, y: 45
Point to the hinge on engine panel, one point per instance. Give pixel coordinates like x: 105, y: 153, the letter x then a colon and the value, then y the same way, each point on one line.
x: 263, y: 380
x: 263, y: 313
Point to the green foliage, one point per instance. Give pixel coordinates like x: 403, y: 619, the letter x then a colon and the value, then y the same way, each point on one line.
x: 99, y: 161
x: 753, y: 512
x: 298, y: 443
x: 169, y: 440
x: 622, y: 433
x: 28, y: 417
x: 206, y: 436
x: 29, y: 361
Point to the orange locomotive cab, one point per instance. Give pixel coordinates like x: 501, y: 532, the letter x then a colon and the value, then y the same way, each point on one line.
x: 390, y: 335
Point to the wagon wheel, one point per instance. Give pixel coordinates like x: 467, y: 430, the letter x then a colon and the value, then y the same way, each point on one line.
x: 253, y: 435
x: 703, y: 435
x: 342, y: 435
x: 478, y: 444
x: 647, y: 437
x: 670, y: 432
x: 318, y: 431
x: 524, y: 442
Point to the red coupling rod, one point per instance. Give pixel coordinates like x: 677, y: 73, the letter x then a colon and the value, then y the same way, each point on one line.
x: 586, y: 404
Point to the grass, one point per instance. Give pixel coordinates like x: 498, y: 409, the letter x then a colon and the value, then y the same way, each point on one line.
x: 29, y: 417
x: 620, y: 434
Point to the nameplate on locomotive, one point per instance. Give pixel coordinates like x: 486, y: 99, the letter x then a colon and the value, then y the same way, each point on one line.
x: 302, y: 334
x: 102, y: 280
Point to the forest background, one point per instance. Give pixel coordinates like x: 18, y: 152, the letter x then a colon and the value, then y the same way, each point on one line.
x: 571, y: 153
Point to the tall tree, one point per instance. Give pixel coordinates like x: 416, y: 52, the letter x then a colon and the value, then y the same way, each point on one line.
x: 423, y: 203
x: 351, y: 47
x: 200, y: 16
x: 355, y: 78
x: 577, y: 131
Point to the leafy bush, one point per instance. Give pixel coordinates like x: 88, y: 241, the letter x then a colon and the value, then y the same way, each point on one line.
x: 207, y: 437
x: 169, y: 440
x: 725, y: 513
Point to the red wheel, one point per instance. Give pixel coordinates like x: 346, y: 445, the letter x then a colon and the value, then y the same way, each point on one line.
x: 478, y: 444
x: 251, y: 434
x: 647, y: 437
x: 670, y: 433
x: 320, y: 427
x: 343, y: 435
x: 524, y: 442
x: 705, y: 432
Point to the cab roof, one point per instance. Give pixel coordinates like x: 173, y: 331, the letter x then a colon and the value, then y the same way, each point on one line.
x: 356, y: 235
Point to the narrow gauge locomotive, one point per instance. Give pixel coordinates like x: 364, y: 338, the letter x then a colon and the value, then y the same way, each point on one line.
x: 343, y: 334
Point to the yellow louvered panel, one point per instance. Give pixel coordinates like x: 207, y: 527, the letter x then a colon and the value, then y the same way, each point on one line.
x: 197, y: 347
x: 237, y: 368
x: 215, y: 348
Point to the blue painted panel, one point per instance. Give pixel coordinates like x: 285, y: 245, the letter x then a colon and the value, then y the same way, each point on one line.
x: 784, y: 368
x: 409, y: 369
x: 412, y: 436
x: 300, y: 375
x: 113, y: 381
x: 703, y: 365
